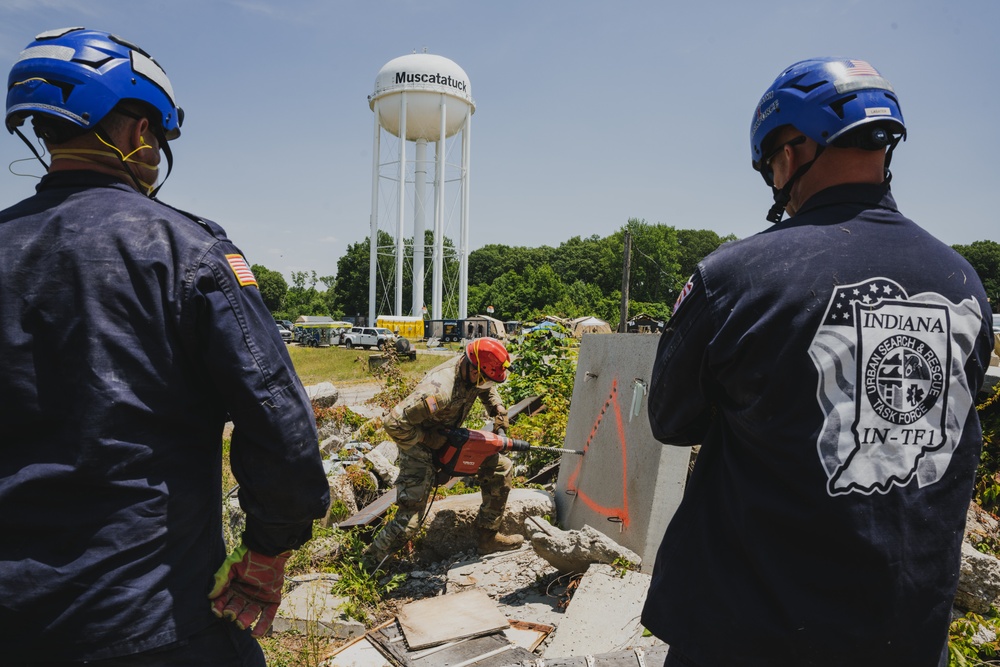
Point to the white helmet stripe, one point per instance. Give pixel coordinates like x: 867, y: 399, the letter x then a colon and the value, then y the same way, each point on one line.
x: 58, y: 32
x: 147, y: 67
x: 52, y: 52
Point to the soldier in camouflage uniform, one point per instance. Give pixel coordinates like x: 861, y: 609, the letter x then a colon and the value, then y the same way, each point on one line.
x: 441, y: 401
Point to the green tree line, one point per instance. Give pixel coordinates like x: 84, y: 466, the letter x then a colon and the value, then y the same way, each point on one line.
x: 581, y: 276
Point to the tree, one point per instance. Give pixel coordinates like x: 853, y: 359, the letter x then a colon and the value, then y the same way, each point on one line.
x: 582, y: 276
x: 272, y: 287
x: 695, y: 245
x: 985, y: 259
x: 576, y: 258
x: 303, y: 299
x: 655, y: 275
x: 329, y: 296
x: 350, y: 293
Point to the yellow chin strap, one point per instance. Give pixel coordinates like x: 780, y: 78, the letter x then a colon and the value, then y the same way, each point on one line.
x: 125, y: 158
x: 80, y: 155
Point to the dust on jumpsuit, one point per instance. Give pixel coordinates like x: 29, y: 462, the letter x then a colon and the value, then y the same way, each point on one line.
x: 130, y: 332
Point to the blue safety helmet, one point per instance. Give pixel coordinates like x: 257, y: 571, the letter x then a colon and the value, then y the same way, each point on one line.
x: 79, y: 75
x: 833, y: 101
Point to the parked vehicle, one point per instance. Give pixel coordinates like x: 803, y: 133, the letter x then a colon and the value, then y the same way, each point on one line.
x: 367, y: 337
x: 337, y: 337
x: 387, y: 334
x: 286, y: 334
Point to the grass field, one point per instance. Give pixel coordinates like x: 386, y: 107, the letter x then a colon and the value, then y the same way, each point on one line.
x: 342, y: 366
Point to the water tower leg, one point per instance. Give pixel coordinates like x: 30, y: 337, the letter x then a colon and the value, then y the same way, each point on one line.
x: 401, y: 198
x: 463, y: 285
x: 438, y: 285
x: 373, y: 242
x: 419, y: 190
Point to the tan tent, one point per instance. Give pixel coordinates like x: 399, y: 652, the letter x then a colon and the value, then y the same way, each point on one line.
x: 585, y: 325
x: 478, y: 326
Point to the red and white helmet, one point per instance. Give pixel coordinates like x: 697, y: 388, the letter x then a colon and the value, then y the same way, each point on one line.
x: 489, y: 357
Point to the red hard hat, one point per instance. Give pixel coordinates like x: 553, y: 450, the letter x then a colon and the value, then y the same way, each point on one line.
x: 489, y: 357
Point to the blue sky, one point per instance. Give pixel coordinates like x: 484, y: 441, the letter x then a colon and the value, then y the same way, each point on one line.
x: 588, y: 113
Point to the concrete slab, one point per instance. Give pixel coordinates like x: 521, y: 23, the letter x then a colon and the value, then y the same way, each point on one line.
x: 627, y: 485
x: 991, y: 380
x: 650, y: 657
x: 359, y: 653
x: 603, y: 616
x: 520, y: 582
x: 311, y: 608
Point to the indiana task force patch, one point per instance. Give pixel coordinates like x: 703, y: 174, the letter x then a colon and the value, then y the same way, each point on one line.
x: 891, y: 385
x: 243, y: 273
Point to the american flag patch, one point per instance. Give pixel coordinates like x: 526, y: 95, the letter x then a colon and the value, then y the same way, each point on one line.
x: 432, y: 404
x: 860, y: 68
x: 243, y: 273
x: 684, y: 292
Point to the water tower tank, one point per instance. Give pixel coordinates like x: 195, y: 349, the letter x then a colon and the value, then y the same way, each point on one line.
x: 424, y: 77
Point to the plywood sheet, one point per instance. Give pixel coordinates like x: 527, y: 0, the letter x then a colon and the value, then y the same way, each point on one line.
x: 437, y: 620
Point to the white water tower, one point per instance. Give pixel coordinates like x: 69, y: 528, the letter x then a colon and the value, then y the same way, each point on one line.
x: 419, y: 99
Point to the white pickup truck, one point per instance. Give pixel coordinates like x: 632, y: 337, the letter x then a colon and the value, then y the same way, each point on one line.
x: 367, y: 337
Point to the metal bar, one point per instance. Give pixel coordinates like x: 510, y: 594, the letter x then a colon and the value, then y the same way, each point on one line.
x: 488, y: 654
x: 431, y: 651
x: 558, y: 450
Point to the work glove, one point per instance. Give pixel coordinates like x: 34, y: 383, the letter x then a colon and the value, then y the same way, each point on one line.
x: 501, y: 423
x: 248, y: 585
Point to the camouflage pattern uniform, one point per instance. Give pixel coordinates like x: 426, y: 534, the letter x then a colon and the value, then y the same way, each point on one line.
x: 442, y: 400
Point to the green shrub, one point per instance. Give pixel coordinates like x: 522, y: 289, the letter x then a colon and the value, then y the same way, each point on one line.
x: 963, y: 651
x: 545, y: 366
x: 987, y: 488
x: 363, y: 590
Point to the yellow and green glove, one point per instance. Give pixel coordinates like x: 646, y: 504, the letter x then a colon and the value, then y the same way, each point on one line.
x: 248, y: 585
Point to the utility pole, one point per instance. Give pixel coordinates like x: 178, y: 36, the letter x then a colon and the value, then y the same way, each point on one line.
x: 626, y: 270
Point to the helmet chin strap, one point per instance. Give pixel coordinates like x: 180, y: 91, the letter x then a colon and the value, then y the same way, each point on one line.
x: 99, y: 131
x: 165, y: 147
x: 106, y: 140
x: 31, y: 146
x: 783, y: 196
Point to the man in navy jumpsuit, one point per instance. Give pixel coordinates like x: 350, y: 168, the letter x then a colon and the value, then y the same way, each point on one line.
x: 130, y: 332
x: 828, y: 367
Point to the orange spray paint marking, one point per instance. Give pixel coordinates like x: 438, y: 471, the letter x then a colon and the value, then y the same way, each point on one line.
x: 614, y: 513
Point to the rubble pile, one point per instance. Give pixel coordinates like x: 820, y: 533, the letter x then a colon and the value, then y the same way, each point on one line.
x: 537, y: 583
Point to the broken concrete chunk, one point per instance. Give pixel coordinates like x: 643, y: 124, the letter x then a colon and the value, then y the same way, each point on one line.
x: 322, y: 395
x: 389, y: 450
x: 450, y: 521
x: 978, y: 581
x: 575, y: 550
x: 382, y: 467
x: 311, y: 609
x: 603, y: 616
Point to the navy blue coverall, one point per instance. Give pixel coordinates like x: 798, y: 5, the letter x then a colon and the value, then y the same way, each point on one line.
x: 129, y: 334
x: 828, y: 367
